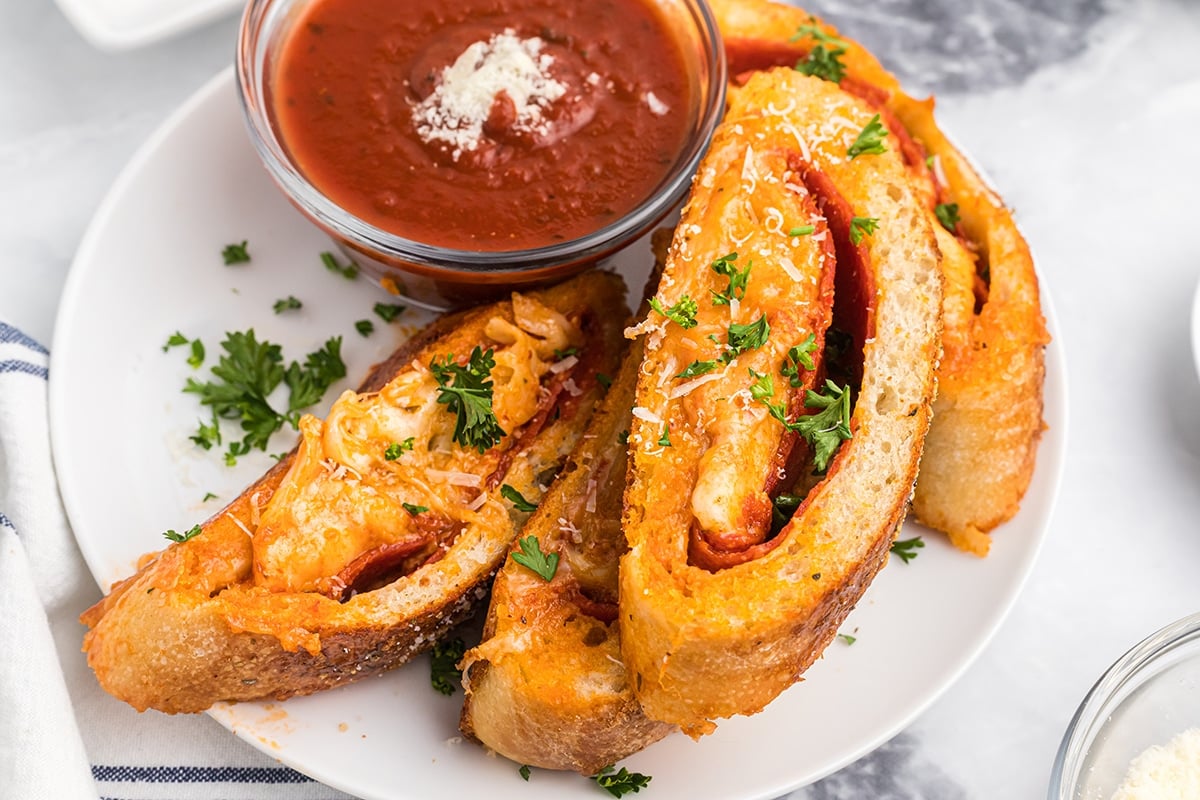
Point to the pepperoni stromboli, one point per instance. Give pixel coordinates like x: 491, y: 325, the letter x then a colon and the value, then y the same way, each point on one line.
x: 380, y: 530
x: 720, y: 609
x: 988, y: 414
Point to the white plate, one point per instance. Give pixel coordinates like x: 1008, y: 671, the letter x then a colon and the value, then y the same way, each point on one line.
x: 150, y: 265
x: 122, y: 24
x: 1196, y: 329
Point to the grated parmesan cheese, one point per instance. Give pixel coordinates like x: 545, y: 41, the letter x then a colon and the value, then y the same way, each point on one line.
x: 455, y: 112
x: 1170, y: 772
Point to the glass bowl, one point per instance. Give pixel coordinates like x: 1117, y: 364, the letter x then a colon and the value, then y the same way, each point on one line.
x: 1147, y: 698
x: 439, y: 277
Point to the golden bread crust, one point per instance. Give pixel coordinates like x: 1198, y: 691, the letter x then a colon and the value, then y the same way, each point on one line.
x: 703, y: 644
x: 192, y: 627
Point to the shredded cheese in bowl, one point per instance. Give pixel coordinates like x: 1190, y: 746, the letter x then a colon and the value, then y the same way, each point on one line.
x: 1165, y: 772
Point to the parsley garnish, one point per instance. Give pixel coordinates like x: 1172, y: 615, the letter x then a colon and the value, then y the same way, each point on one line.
x: 822, y: 62
x: 783, y: 508
x: 388, y: 311
x: 697, y: 368
x: 862, y: 226
x: 444, y: 673
x: 236, y: 253
x: 869, y: 141
x: 762, y: 390
x: 847, y: 638
x: 524, y: 771
x: 799, y: 357
x: 517, y: 499
x: 175, y: 536
x: 467, y: 392
x: 290, y: 303
x: 603, y: 380
x: 197, y: 356
x: 802, y: 230
x: 532, y: 558
x: 175, y: 340
x: 830, y: 426
x: 947, y: 214
x: 566, y: 352
x: 750, y: 336
x: 348, y: 271
x: 208, y: 496
x: 665, y: 439
x: 364, y: 327
x: 623, y: 437
x: 308, y: 383
x: 737, y: 279
x: 621, y: 782
x: 397, y: 449
x: 414, y: 510
x: 683, y: 313
x: 907, y: 549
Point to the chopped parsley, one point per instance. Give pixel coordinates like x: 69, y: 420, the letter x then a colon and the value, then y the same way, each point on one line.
x: 175, y: 340
x: 750, y: 336
x: 603, y: 380
x: 847, y: 638
x: 907, y: 549
x: 697, y: 368
x: 236, y: 253
x: 532, y: 558
x: 762, y: 390
x: 737, y: 279
x: 444, y: 673
x: 467, y: 392
x: 783, y: 508
x: 947, y: 214
x: 348, y: 271
x: 623, y: 437
x: 802, y: 230
x: 389, y: 311
x: 862, y: 226
x: 524, y: 771
x: 665, y: 439
x: 364, y: 327
x: 682, y: 313
x: 208, y: 496
x: 869, y: 141
x: 517, y: 499
x: 566, y: 352
x: 799, y: 357
x: 175, y: 536
x: 289, y: 303
x: 830, y: 426
x: 824, y: 60
x: 196, y: 358
x: 413, y: 509
x: 397, y: 449
x: 621, y: 782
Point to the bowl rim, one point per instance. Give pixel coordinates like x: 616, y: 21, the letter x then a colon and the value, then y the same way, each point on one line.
x: 709, y: 108
x: 1113, y: 687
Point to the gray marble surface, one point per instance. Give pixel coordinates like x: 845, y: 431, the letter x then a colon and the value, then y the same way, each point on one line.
x: 1083, y: 112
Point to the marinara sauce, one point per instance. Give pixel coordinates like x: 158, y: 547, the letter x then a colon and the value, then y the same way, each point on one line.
x: 486, y: 125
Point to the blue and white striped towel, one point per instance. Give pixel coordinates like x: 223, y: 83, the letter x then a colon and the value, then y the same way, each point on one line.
x: 61, y: 736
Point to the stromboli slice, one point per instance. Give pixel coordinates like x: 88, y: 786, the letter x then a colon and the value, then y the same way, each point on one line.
x: 546, y: 686
x: 345, y: 560
x: 981, y: 449
x: 705, y: 640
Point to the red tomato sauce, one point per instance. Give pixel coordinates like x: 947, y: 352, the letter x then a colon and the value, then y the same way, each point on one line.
x: 379, y: 104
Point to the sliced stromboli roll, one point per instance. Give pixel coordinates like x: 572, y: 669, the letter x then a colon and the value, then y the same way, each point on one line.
x: 980, y: 454
x: 379, y: 531
x: 547, y: 687
x: 727, y: 596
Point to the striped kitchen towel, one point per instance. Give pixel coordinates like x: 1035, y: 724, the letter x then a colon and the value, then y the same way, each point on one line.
x: 61, y: 736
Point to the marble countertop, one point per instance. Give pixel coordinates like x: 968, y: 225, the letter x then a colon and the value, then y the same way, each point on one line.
x: 1083, y: 113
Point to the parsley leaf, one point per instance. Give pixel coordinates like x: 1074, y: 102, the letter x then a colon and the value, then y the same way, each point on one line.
x: 947, y: 214
x: 621, y: 782
x: 175, y: 340
x: 623, y: 437
x: 397, y: 449
x: 847, y: 638
x: 364, y: 327
x: 802, y: 230
x: 236, y: 253
x: 207, y: 435
x: 665, y: 439
x: 208, y: 496
x: 444, y: 673
x: 197, y: 356
x: 907, y: 549
x: 389, y: 311
x: 862, y: 226
x: 737, y: 279
x: 175, y: 536
x: 566, y: 352
x: 697, y: 368
x: 828, y: 428
x: 603, y: 380
x: 532, y: 558
x: 290, y: 303
x: 247, y: 373
x: 524, y: 771
x: 762, y: 390
x: 824, y: 63
x: 413, y: 509
x: 348, y: 271
x: 683, y: 313
x: 467, y: 391
x: 799, y: 357
x: 869, y: 141
x: 517, y: 499
x: 750, y: 336
x: 308, y: 383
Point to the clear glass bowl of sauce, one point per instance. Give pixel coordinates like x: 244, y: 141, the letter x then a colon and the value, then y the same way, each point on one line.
x: 456, y: 150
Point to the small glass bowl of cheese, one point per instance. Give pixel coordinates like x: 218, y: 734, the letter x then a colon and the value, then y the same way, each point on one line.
x: 1140, y: 723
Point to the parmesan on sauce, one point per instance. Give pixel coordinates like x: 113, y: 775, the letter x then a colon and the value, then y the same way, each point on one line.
x: 1168, y: 772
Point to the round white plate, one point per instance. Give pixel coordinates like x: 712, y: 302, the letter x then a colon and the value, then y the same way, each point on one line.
x: 150, y: 265
x: 1196, y: 328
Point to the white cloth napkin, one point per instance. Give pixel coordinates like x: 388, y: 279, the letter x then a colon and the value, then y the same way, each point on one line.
x: 61, y: 736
